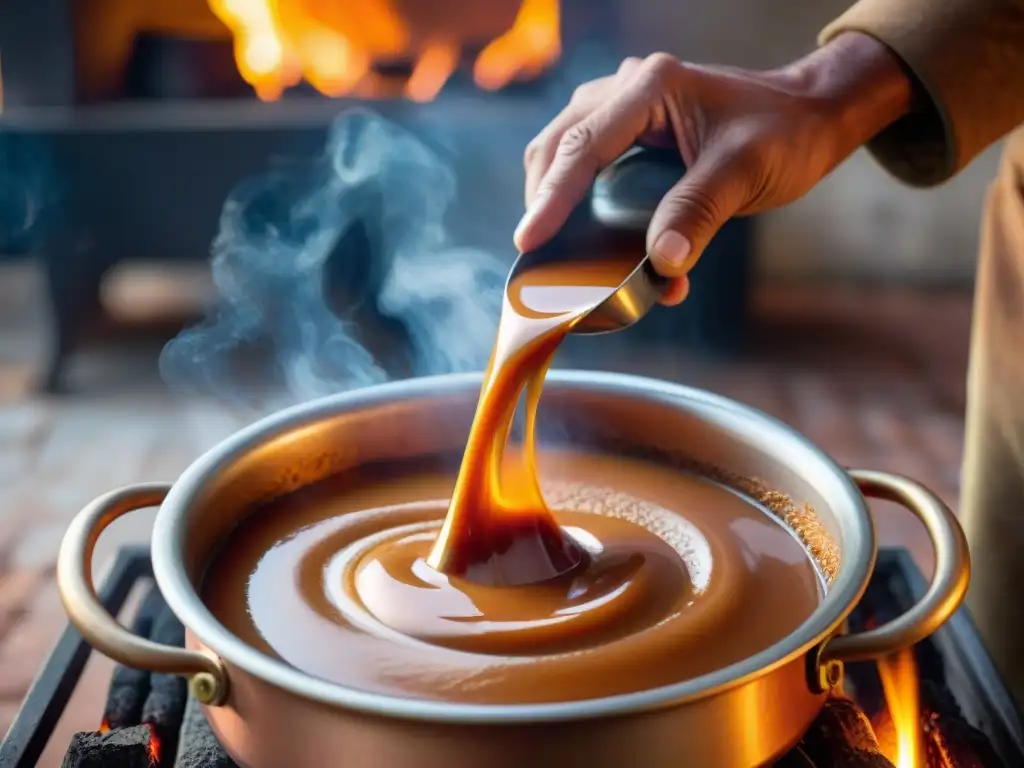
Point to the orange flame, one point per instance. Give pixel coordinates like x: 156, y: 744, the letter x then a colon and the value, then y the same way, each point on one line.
x: 902, y: 693
x: 532, y: 45
x: 334, y: 45
x: 435, y: 66
x: 154, y: 746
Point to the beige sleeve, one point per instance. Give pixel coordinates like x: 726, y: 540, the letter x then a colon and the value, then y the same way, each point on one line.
x: 968, y: 59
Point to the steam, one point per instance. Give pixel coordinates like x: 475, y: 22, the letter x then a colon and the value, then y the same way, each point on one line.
x: 313, y: 258
x: 27, y: 192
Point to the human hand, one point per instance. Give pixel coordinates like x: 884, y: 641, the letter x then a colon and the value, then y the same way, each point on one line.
x: 751, y: 140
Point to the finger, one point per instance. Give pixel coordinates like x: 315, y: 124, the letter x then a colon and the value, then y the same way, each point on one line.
x: 693, y: 211
x: 676, y: 292
x: 584, y: 149
x: 541, y: 151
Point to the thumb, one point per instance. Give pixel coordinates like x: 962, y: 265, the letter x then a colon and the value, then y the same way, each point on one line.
x: 691, y: 213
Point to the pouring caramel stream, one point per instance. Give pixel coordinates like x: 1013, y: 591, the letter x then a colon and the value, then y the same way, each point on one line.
x: 498, y: 529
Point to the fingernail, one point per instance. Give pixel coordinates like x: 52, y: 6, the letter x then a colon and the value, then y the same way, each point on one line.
x: 528, y: 217
x: 672, y: 248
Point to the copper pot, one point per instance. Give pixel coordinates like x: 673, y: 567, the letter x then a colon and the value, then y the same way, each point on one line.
x: 268, y: 713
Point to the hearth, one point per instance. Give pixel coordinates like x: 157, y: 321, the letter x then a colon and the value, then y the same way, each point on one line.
x: 126, y: 143
x: 966, y: 719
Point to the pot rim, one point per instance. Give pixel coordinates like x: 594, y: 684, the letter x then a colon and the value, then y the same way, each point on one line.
x: 858, y: 548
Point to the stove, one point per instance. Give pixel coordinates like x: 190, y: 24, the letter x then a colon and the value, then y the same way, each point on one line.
x: 967, y: 719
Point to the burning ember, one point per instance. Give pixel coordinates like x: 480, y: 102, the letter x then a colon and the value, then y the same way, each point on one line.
x: 137, y: 746
x: 335, y: 45
x: 148, y: 735
x: 154, y: 747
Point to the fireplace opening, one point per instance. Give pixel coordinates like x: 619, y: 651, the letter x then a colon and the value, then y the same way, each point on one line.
x: 365, y: 49
x: 340, y: 48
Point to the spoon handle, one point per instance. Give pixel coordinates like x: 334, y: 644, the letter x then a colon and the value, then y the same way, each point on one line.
x: 627, y: 192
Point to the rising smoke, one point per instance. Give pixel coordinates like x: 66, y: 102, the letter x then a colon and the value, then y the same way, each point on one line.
x: 28, y: 191
x: 371, y: 208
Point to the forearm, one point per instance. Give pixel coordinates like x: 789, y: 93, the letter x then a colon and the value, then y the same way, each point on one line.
x: 967, y: 58
x: 859, y: 83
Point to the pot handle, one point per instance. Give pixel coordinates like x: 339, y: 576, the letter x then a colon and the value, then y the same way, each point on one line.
x: 948, y: 585
x: 208, y: 677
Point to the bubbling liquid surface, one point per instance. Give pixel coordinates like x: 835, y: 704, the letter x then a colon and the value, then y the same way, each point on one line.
x: 682, y: 577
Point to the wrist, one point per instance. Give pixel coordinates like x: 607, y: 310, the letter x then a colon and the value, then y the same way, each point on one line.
x: 858, y: 83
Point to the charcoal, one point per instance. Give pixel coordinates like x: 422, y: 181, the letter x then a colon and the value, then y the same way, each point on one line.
x: 864, y: 686
x: 947, y: 732
x: 167, y: 629
x: 842, y: 737
x: 129, y: 687
x: 128, y: 690
x: 153, y: 604
x: 199, y: 748
x: 795, y: 758
x: 164, y: 707
x: 124, y: 748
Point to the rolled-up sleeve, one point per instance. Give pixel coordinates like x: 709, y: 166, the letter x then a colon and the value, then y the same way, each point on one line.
x: 967, y: 57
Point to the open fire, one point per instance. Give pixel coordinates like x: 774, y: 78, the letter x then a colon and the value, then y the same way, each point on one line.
x: 914, y: 731
x: 908, y: 718
x: 339, y: 46
x: 898, y: 675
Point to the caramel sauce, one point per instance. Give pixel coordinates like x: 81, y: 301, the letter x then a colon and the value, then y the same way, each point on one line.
x: 409, y: 580
x: 685, y: 577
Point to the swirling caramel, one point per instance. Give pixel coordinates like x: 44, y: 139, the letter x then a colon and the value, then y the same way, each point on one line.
x: 683, y: 577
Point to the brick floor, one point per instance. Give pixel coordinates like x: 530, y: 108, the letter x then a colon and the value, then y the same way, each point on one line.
x: 874, y: 376
x: 17, y: 588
